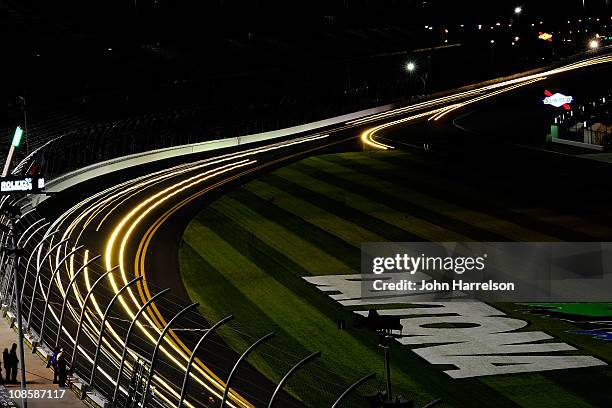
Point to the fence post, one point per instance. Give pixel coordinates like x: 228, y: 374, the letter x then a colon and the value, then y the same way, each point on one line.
x: 80, y: 324
x: 352, y: 387
x: 9, y: 286
x: 38, y: 267
x: 240, y: 359
x: 25, y: 273
x: 65, y: 302
x: 127, y: 340
x: 48, y: 294
x: 159, y: 340
x: 28, y: 229
x: 193, y: 354
x: 291, y: 371
x: 101, y: 333
x: 23, y: 234
x: 26, y: 242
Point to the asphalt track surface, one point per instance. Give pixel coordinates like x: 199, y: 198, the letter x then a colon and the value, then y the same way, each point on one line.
x: 136, y: 227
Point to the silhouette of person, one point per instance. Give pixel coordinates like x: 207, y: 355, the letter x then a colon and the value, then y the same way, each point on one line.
x: 53, y: 363
x: 60, y: 361
x: 14, y: 361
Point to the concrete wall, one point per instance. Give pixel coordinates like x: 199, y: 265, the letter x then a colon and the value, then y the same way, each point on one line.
x: 95, y: 170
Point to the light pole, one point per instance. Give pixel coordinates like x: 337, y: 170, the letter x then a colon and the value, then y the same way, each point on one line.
x: 14, y: 252
x: 594, y: 46
x: 14, y: 145
x: 25, y: 122
x: 411, y: 68
x: 518, y: 10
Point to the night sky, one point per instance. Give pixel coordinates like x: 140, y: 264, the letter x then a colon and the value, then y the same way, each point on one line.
x: 189, y: 19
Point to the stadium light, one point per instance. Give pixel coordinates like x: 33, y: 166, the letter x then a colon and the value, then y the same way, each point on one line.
x: 17, y: 136
x: 14, y: 145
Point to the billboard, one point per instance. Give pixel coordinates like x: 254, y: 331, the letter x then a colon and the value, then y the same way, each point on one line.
x: 21, y: 184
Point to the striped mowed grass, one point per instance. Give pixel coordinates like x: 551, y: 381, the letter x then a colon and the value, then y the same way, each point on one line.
x: 247, y: 252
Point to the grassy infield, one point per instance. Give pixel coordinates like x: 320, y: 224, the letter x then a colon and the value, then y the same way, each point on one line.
x: 246, y: 253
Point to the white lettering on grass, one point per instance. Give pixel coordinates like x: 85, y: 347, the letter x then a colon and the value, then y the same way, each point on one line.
x: 473, y: 336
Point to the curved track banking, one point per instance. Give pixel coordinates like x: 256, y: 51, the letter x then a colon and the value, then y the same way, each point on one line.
x: 121, y: 222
